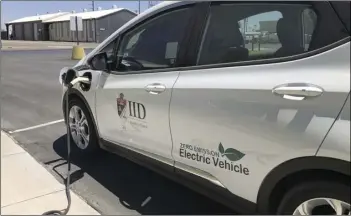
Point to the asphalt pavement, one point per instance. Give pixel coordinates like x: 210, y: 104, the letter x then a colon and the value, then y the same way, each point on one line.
x: 42, y: 45
x: 31, y: 95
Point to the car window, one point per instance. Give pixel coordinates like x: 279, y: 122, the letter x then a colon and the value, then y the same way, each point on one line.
x: 109, y: 48
x: 309, y: 20
x: 154, y: 44
x: 260, y: 33
x: 249, y: 32
x: 134, y: 39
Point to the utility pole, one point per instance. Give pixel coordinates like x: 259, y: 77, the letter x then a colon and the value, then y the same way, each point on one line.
x: 139, y: 6
x: 76, y: 19
x: 93, y: 5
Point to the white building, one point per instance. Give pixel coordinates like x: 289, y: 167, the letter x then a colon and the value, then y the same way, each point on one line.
x: 97, y: 25
x: 31, y: 28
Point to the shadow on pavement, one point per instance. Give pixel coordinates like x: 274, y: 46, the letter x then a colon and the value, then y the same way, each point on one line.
x: 134, y: 184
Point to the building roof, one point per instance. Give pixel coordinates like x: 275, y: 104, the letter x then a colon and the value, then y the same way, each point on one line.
x: 86, y: 15
x: 42, y: 17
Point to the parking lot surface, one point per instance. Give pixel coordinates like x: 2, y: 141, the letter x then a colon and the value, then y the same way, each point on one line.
x: 42, y: 45
x: 30, y: 96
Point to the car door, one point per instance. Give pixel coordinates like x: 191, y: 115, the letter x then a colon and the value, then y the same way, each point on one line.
x: 132, y: 105
x: 248, y: 107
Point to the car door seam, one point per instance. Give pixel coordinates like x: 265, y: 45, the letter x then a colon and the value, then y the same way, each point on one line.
x: 338, y: 116
x: 169, y: 116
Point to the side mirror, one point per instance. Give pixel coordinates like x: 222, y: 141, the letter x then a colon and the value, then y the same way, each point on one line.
x: 99, y: 62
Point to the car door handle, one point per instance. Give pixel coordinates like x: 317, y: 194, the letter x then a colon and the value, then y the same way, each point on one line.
x: 297, y: 91
x: 155, y: 88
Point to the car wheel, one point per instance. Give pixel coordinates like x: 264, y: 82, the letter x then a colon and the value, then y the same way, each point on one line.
x: 316, y: 198
x: 82, y: 131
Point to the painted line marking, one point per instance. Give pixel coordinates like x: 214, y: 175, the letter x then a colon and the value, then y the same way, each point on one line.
x: 37, y: 126
x: 58, y: 46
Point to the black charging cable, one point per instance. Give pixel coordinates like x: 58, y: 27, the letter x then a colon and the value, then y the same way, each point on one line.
x: 69, y: 79
x: 68, y: 178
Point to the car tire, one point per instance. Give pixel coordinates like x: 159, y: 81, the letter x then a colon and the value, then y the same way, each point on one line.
x: 92, y: 146
x: 314, y: 190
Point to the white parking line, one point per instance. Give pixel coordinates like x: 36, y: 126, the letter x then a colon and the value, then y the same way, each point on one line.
x: 60, y: 46
x: 37, y: 126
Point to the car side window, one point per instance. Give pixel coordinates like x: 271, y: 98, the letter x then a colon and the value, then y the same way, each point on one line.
x: 109, y: 49
x: 260, y: 33
x: 246, y: 32
x: 154, y: 44
x: 309, y: 21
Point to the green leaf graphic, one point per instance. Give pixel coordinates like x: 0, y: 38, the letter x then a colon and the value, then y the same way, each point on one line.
x: 221, y: 148
x: 233, y: 155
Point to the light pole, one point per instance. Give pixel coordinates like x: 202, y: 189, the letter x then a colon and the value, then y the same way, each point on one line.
x: 139, y: 6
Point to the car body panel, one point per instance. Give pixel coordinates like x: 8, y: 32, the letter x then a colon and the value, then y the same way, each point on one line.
x: 99, y: 77
x: 148, y: 131
x: 337, y: 143
x: 232, y: 106
x: 235, y: 106
x: 97, y: 80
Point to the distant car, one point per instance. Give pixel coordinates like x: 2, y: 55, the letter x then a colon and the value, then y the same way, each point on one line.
x: 176, y: 90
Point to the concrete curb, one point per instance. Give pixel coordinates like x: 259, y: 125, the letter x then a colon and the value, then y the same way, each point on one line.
x: 29, y: 188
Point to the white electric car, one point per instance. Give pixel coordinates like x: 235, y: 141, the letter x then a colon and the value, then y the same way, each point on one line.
x: 262, y: 127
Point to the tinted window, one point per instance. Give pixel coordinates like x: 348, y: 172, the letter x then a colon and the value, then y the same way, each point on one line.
x: 260, y: 33
x: 154, y: 44
x: 343, y: 10
x: 109, y: 48
x: 309, y: 21
x: 244, y: 32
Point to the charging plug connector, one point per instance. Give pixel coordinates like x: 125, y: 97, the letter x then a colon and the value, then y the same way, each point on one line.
x: 79, y: 80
